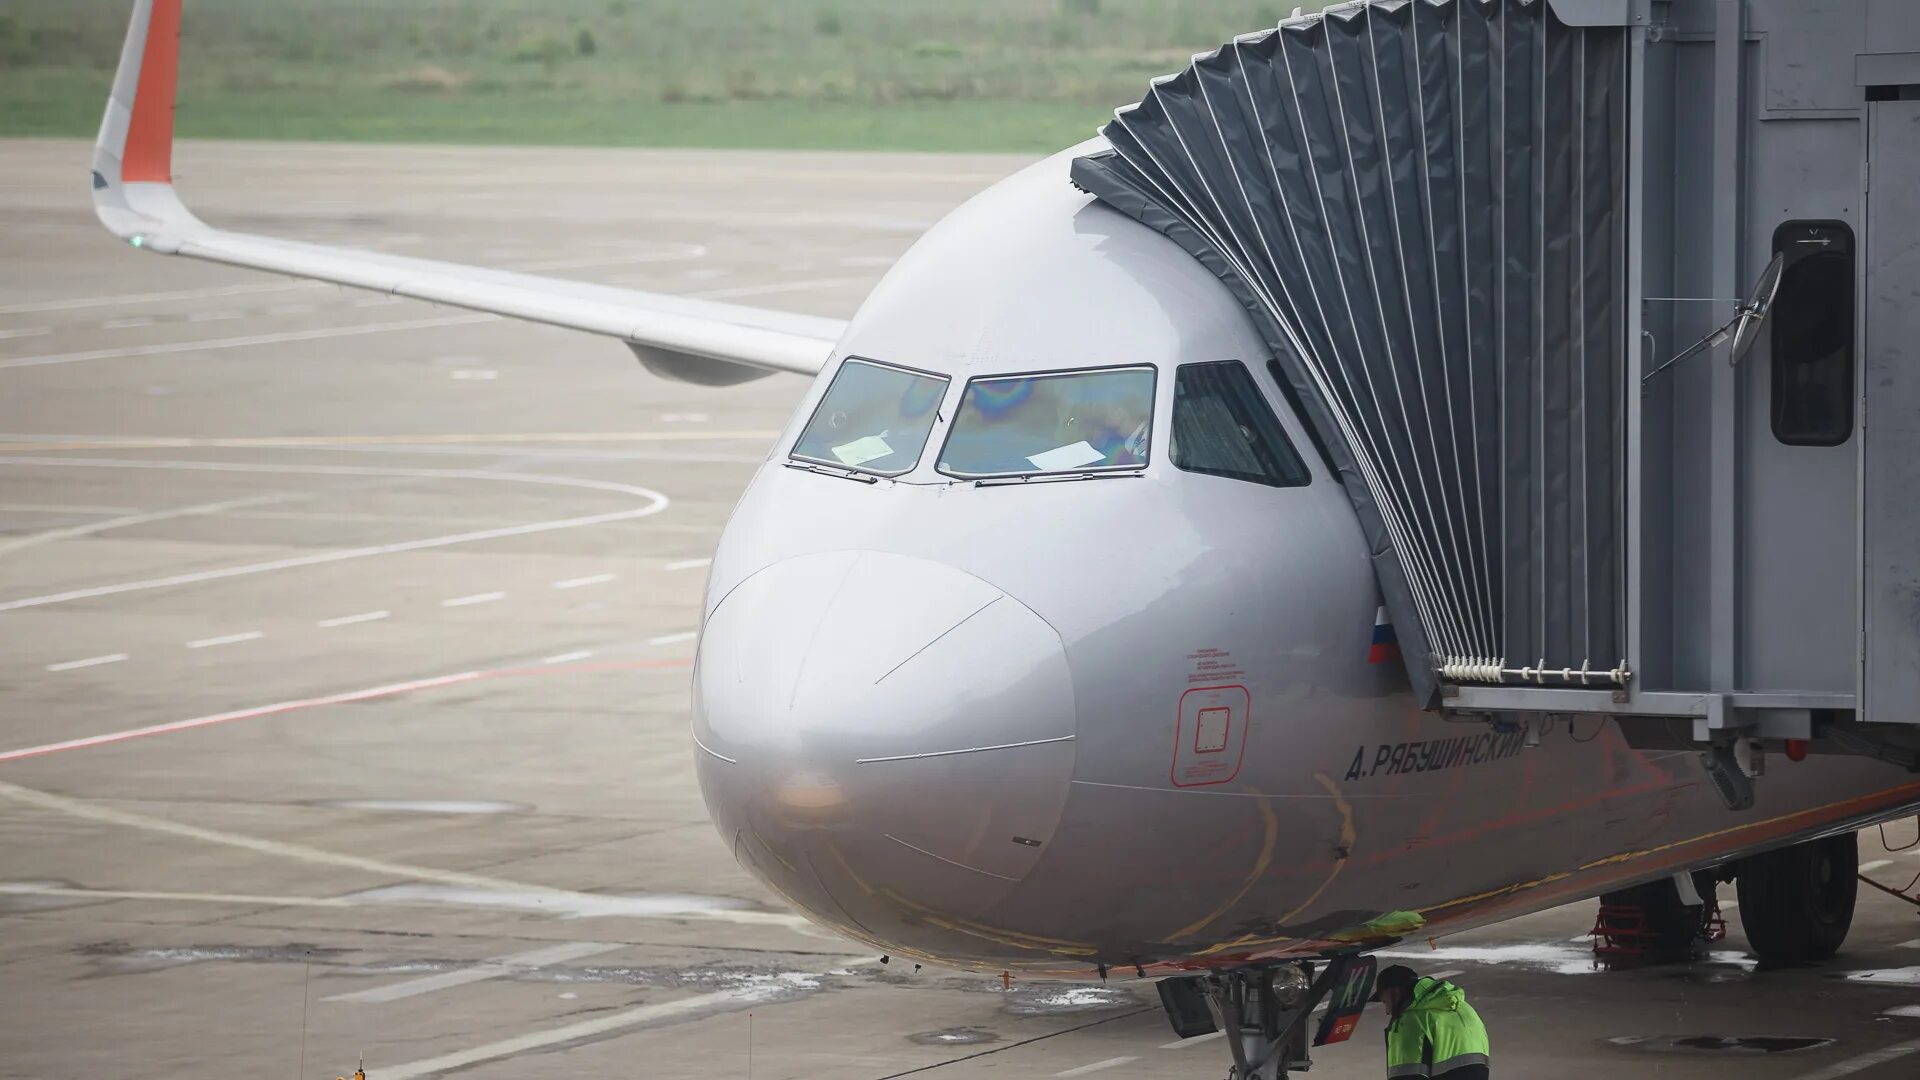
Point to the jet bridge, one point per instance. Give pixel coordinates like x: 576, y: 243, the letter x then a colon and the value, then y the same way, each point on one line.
x: 1606, y: 311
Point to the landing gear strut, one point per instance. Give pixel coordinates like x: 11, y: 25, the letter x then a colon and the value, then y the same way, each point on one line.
x: 1796, y: 903
x: 1659, y: 922
x: 1264, y: 1011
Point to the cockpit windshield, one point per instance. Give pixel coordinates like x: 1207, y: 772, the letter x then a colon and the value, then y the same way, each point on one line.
x: 1074, y: 421
x: 873, y: 419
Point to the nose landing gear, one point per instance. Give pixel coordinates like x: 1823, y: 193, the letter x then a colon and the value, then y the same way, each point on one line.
x: 1264, y: 1011
x: 1264, y: 1014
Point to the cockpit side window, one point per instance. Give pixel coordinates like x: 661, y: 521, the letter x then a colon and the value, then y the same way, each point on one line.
x: 1222, y: 426
x: 1062, y: 422
x: 872, y: 419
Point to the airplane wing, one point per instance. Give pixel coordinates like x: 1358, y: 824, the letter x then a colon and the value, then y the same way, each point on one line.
x: 689, y: 340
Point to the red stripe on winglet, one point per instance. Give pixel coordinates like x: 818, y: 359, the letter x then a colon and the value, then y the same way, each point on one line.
x: 149, y: 156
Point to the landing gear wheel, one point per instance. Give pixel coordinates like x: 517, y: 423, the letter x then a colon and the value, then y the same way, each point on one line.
x: 1796, y: 904
x: 1651, y: 924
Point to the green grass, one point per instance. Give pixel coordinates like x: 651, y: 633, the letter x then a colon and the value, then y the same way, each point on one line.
x: 1018, y: 75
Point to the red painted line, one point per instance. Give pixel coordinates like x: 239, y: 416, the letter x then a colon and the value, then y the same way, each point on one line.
x: 370, y: 694
x: 149, y: 151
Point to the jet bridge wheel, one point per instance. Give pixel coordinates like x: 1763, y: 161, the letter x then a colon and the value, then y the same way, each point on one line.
x: 1796, y: 903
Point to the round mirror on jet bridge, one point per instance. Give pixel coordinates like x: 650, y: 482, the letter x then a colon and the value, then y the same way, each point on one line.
x: 1753, y: 313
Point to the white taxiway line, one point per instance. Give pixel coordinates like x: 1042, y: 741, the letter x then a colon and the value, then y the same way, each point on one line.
x: 17, y: 889
x: 143, y: 298
x: 1181, y: 1044
x: 128, y: 323
x: 673, y: 639
x: 569, y: 657
x: 66, y: 508
x: 1864, y: 1061
x: 213, y: 344
x: 1097, y: 1066
x: 689, y: 564
x: 37, y: 331
x: 351, y: 620
x: 1447, y: 974
x: 1914, y: 944
x: 583, y: 582
x: 1869, y: 867
x: 75, y: 532
x: 227, y: 639
x: 91, y: 661
x: 585, y: 1029
x: 495, y: 968
x: 476, y: 598
x: 227, y: 717
x: 656, y: 503
x: 297, y: 852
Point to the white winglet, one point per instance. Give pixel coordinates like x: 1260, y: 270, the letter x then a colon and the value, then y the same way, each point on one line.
x: 689, y: 340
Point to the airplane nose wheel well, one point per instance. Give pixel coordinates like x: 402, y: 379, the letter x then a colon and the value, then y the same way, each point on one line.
x: 1263, y: 1011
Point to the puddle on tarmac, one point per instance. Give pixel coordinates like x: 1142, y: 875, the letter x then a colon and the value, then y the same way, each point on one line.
x: 1906, y: 976
x: 125, y: 958
x: 427, y: 806
x: 1719, y: 1044
x: 762, y: 981
x: 570, y: 905
x: 954, y: 1037
x: 1059, y: 1000
x: 1560, y: 958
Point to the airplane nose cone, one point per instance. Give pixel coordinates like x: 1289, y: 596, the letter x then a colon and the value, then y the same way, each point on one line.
x: 883, y: 739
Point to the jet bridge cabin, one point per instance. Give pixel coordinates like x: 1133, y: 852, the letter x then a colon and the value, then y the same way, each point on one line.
x: 1610, y: 312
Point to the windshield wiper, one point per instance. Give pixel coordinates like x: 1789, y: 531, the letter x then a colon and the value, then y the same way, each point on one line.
x: 1050, y: 478
x: 823, y: 470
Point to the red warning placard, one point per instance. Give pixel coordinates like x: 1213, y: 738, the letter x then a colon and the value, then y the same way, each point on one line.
x: 1210, y: 735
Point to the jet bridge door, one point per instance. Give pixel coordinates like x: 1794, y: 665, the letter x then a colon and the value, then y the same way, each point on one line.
x: 1890, y: 443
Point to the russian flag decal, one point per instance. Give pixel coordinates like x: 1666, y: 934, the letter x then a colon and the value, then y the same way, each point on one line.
x: 1385, y: 646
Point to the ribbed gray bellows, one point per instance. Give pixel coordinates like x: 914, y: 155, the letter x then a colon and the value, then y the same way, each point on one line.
x: 1421, y: 203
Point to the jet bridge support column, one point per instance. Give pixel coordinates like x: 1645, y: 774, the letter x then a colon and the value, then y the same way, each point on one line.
x: 1729, y: 146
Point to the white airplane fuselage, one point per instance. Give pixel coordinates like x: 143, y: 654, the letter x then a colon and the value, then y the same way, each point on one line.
x: 1140, y: 718
x: 1121, y: 706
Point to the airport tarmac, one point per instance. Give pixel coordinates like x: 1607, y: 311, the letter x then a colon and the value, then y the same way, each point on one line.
x: 344, y: 689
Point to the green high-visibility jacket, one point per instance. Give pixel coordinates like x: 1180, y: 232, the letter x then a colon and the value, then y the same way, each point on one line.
x: 1437, y: 1033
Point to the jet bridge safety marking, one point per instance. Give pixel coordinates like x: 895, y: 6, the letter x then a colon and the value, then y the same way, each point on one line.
x: 1419, y: 756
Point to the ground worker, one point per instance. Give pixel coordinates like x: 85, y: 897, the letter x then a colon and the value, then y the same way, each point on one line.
x: 1431, y: 1030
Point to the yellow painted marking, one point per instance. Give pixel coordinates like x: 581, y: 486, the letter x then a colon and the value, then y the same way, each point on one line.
x: 1629, y: 856
x: 1260, y: 864
x: 1348, y: 837
x: 834, y: 849
x: 1014, y: 938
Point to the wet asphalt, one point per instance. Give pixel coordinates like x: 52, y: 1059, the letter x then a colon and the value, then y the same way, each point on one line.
x: 329, y: 730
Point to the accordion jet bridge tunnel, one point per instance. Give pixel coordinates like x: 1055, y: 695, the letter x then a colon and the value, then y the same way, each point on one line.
x: 1057, y: 633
